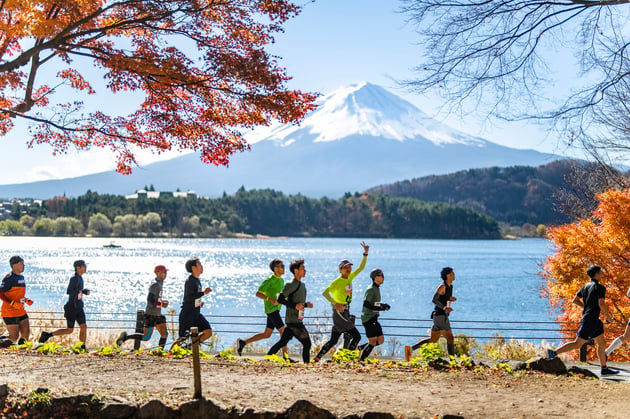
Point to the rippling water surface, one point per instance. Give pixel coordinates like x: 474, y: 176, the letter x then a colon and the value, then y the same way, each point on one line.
x: 495, y: 280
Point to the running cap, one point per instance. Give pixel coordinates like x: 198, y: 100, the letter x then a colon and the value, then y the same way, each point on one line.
x: 344, y: 262
x: 15, y: 260
x: 375, y: 273
x: 445, y: 271
x: 592, y: 270
x: 78, y: 263
x: 160, y: 268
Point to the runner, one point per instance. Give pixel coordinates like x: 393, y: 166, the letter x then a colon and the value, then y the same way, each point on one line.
x: 372, y: 306
x: 12, y: 294
x: 441, y: 326
x: 591, y: 298
x: 153, y: 313
x: 339, y: 293
x: 294, y: 297
x: 73, y: 309
x: 619, y: 340
x: 268, y: 291
x: 191, y: 316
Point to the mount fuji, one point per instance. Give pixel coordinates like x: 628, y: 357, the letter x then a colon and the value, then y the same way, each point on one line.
x: 360, y: 136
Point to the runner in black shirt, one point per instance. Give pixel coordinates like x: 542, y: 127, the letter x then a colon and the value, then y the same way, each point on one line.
x: 73, y: 310
x: 591, y: 298
x: 191, y: 316
x: 441, y: 326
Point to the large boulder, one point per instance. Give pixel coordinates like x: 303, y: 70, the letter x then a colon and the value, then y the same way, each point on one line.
x: 155, y: 409
x: 303, y: 409
x: 201, y: 408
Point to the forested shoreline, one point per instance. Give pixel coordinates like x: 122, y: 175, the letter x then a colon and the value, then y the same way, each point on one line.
x: 263, y: 212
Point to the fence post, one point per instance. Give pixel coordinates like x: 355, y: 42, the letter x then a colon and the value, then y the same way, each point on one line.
x: 584, y: 349
x: 139, y: 328
x: 194, y: 335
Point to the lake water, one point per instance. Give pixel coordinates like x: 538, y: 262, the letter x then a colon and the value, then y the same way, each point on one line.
x: 496, y: 280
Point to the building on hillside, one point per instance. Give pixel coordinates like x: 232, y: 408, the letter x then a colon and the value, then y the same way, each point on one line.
x: 144, y: 194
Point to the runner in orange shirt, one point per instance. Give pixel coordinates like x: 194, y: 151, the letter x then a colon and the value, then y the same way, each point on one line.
x: 12, y: 294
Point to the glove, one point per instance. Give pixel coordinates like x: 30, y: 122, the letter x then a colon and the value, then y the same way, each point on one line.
x: 164, y: 303
x: 385, y: 306
x: 86, y: 291
x: 26, y: 301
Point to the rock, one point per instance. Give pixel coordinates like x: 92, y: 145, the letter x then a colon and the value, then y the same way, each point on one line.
x: 4, y: 390
x: 117, y: 411
x: 155, y: 409
x: 303, y: 409
x: 249, y: 413
x: 378, y: 415
x: 447, y: 416
x: 201, y: 408
x: 546, y: 365
x: 578, y: 370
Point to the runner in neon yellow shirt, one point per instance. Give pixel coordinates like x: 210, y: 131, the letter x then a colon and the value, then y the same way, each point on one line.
x: 339, y: 293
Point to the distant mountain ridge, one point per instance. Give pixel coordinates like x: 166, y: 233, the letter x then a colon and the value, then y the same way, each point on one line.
x: 517, y: 195
x: 360, y: 136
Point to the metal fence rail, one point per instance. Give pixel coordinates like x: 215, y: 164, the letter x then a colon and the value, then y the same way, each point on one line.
x: 320, y: 325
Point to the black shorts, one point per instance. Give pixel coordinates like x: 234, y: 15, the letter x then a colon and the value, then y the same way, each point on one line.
x: 590, y: 328
x: 274, y: 320
x: 14, y: 320
x: 152, y: 321
x: 373, y: 328
x: 198, y: 321
x: 73, y: 315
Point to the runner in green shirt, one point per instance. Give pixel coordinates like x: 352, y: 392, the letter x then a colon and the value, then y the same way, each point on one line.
x: 339, y: 293
x: 269, y: 291
x: 372, y: 306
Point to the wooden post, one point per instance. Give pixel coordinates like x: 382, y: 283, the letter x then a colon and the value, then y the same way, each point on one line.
x: 194, y: 333
x: 139, y: 328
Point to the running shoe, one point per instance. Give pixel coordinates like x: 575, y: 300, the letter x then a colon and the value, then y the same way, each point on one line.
x: 44, y: 337
x: 408, y: 351
x: 315, y: 360
x: 121, y: 338
x: 240, y: 345
x: 608, y: 371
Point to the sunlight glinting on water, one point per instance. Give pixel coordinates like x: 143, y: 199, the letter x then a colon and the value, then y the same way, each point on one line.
x: 495, y: 280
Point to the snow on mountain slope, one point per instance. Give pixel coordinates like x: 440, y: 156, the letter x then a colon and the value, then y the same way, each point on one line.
x: 368, y: 110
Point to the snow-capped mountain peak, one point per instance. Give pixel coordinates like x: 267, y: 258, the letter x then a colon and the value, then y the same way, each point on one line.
x: 364, y: 109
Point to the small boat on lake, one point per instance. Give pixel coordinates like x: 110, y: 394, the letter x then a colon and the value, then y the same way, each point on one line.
x: 112, y: 245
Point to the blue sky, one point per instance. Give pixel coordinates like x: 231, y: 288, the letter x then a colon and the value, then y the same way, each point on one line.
x: 331, y: 44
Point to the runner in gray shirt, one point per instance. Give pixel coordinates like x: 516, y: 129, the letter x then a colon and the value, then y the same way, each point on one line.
x: 153, y: 313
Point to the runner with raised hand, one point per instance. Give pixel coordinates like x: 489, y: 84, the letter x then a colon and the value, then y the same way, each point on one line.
x: 339, y: 293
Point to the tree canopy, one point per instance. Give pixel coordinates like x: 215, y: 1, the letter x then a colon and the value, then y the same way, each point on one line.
x: 602, y: 239
x: 199, y: 68
x: 502, y: 55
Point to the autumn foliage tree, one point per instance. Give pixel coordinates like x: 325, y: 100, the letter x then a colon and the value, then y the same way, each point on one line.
x: 198, y: 70
x: 603, y: 239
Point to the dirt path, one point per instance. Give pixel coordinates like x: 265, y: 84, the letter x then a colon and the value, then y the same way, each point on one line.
x: 343, y: 390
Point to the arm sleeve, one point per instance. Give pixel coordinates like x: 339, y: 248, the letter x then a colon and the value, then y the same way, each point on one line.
x: 371, y: 306
x: 152, y: 298
x: 283, y: 300
x: 436, y: 300
x: 360, y: 268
